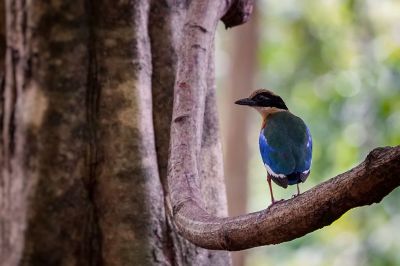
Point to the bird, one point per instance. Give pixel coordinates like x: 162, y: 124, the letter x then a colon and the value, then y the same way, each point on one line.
x: 285, y: 141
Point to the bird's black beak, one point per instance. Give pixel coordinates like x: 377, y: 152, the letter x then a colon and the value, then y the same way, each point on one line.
x: 246, y: 101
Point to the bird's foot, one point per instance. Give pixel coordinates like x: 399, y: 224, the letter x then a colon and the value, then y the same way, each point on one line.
x: 275, y: 202
x: 295, y: 195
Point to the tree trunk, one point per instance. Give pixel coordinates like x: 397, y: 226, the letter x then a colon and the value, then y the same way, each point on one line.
x: 85, y: 135
x: 87, y: 178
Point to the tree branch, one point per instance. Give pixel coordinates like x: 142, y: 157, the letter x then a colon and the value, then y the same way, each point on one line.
x: 365, y: 184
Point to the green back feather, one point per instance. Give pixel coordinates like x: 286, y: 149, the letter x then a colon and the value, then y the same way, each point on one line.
x: 287, y: 135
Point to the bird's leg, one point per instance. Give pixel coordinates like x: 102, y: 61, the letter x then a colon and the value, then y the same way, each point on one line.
x: 270, y: 189
x: 298, y: 191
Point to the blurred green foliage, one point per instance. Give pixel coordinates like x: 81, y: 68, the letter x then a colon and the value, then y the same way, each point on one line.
x: 337, y: 65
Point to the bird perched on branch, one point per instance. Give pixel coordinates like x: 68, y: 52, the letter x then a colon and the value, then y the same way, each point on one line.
x: 285, y: 141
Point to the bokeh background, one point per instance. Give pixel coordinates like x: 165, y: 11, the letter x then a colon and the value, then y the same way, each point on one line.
x: 336, y: 63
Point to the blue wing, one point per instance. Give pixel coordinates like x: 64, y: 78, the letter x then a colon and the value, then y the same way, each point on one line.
x: 278, y: 161
x: 305, y: 165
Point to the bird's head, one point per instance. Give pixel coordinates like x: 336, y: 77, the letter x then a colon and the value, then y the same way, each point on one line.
x: 264, y: 101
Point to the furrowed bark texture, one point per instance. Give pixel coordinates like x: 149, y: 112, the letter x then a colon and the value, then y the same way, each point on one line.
x: 78, y: 137
x: 45, y: 207
x: 127, y: 190
x: 165, y: 34
x: 85, y: 134
x: 2, y: 69
x: 368, y: 183
x: 84, y: 145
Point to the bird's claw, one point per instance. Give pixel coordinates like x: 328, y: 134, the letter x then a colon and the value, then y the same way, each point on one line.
x: 295, y: 195
x: 275, y: 202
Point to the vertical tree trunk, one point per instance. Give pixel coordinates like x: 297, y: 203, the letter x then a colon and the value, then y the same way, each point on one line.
x: 85, y: 135
x: 85, y: 130
x: 46, y: 210
x: 167, y: 21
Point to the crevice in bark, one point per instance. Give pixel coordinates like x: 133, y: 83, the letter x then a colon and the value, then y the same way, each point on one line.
x: 165, y: 33
x: 165, y: 20
x: 84, y: 163
x: 12, y: 109
x: 93, y: 91
x: 51, y: 81
x: 2, y: 109
x: 2, y: 81
x: 128, y: 189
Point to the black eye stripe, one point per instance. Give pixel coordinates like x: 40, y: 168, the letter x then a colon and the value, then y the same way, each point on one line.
x: 267, y: 95
x: 263, y: 97
x: 269, y: 100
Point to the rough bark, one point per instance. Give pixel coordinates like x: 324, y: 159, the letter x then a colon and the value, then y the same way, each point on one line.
x: 165, y: 34
x: 84, y: 178
x: 44, y: 202
x: 78, y: 92
x: 2, y: 68
x: 366, y: 184
x: 84, y: 151
x: 127, y: 191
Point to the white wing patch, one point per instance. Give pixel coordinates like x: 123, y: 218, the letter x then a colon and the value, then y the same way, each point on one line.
x: 309, y: 141
x: 269, y: 170
x: 306, y: 171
